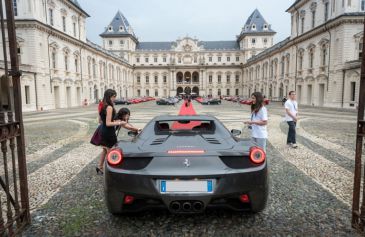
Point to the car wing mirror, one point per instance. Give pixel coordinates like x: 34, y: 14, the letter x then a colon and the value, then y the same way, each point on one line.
x: 235, y: 132
x: 132, y: 133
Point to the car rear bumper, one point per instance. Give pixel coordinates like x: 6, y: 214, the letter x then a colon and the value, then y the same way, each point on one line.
x: 226, y: 191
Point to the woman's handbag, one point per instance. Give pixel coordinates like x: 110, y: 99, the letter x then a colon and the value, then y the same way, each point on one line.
x: 96, y: 138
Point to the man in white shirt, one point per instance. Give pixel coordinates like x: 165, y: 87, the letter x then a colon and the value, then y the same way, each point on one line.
x: 291, y: 117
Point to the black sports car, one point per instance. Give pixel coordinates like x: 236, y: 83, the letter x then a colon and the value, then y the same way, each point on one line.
x: 211, y: 102
x: 122, y: 102
x: 165, y: 102
x: 185, y: 164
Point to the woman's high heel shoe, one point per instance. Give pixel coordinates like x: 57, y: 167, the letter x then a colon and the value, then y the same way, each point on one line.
x: 99, y: 171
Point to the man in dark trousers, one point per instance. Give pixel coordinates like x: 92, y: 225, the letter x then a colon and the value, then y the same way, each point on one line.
x: 291, y: 117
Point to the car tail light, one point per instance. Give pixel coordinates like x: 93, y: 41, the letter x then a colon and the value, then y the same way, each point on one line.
x: 244, y: 198
x: 257, y: 155
x: 128, y: 199
x: 115, y: 157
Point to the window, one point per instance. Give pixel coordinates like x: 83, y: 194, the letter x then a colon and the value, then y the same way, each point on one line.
x: 343, y: 3
x: 333, y: 5
x: 74, y: 25
x: 137, y: 60
x: 210, y: 59
x: 353, y: 91
x: 164, y: 59
x: 121, y: 28
x: 164, y: 79
x: 219, y: 92
x: 110, y: 42
x: 138, y: 93
x: 228, y: 79
x: 27, y: 95
x: 265, y: 27
x: 265, y: 41
x: 121, y: 42
x: 324, y: 56
x: 147, y: 92
x: 156, y: 79
x: 146, y: 60
x: 15, y: 7
x: 253, y: 41
x: 219, y: 59
x: 282, y: 67
x: 110, y: 28
x: 254, y: 27
x: 147, y: 79
x: 349, y: 3
x: 360, y: 47
x: 303, y: 21
x: 301, y: 61
x: 362, y: 5
x: 228, y: 91
x: 64, y: 23
x: 138, y: 80
x: 156, y: 92
x: 19, y: 53
x: 66, y: 62
x: 53, y: 59
x: 210, y: 79
x: 155, y: 60
x: 313, y: 19
x: 326, y: 11
x: 179, y: 60
x: 76, y: 65
x: 219, y: 79
x: 50, y: 12
x: 311, y: 58
x: 237, y: 92
x: 228, y: 59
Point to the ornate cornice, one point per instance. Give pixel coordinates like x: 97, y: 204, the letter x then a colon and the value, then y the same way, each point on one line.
x: 340, y: 20
x: 34, y: 24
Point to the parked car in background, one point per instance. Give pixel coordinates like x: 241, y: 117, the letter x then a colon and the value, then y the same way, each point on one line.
x: 211, y: 101
x: 165, y: 101
x: 122, y: 101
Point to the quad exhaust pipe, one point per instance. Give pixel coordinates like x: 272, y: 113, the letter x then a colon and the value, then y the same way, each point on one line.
x: 175, y: 206
x: 179, y: 206
x: 187, y: 206
x: 198, y: 206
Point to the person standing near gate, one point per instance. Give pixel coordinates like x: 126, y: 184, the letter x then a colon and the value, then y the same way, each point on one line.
x: 291, y: 117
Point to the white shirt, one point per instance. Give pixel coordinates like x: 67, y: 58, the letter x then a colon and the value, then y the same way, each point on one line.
x: 257, y: 130
x: 292, y: 106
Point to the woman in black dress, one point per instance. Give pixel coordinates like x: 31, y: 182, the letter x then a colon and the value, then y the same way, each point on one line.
x: 108, y: 136
x: 109, y: 124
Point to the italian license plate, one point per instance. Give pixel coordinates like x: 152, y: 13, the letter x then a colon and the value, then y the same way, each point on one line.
x: 186, y: 186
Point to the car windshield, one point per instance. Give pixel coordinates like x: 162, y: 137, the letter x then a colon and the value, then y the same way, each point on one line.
x: 175, y: 126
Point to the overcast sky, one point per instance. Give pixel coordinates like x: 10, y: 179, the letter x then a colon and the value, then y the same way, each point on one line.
x: 166, y: 20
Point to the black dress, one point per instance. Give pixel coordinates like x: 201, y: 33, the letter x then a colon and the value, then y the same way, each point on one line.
x: 108, y: 136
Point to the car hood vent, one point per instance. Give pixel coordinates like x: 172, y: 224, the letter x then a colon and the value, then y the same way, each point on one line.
x: 158, y: 141
x: 212, y: 140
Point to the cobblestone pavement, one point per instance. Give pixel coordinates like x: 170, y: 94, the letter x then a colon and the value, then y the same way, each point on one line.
x: 310, y: 188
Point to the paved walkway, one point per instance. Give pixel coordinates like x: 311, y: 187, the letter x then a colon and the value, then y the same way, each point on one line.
x: 310, y: 188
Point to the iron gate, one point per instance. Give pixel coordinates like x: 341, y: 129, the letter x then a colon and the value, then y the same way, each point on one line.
x: 14, y: 212
x: 358, y: 212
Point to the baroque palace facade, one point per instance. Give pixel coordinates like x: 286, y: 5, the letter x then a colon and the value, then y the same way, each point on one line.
x: 61, y: 68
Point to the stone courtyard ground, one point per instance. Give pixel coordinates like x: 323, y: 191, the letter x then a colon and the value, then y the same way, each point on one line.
x: 310, y: 187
